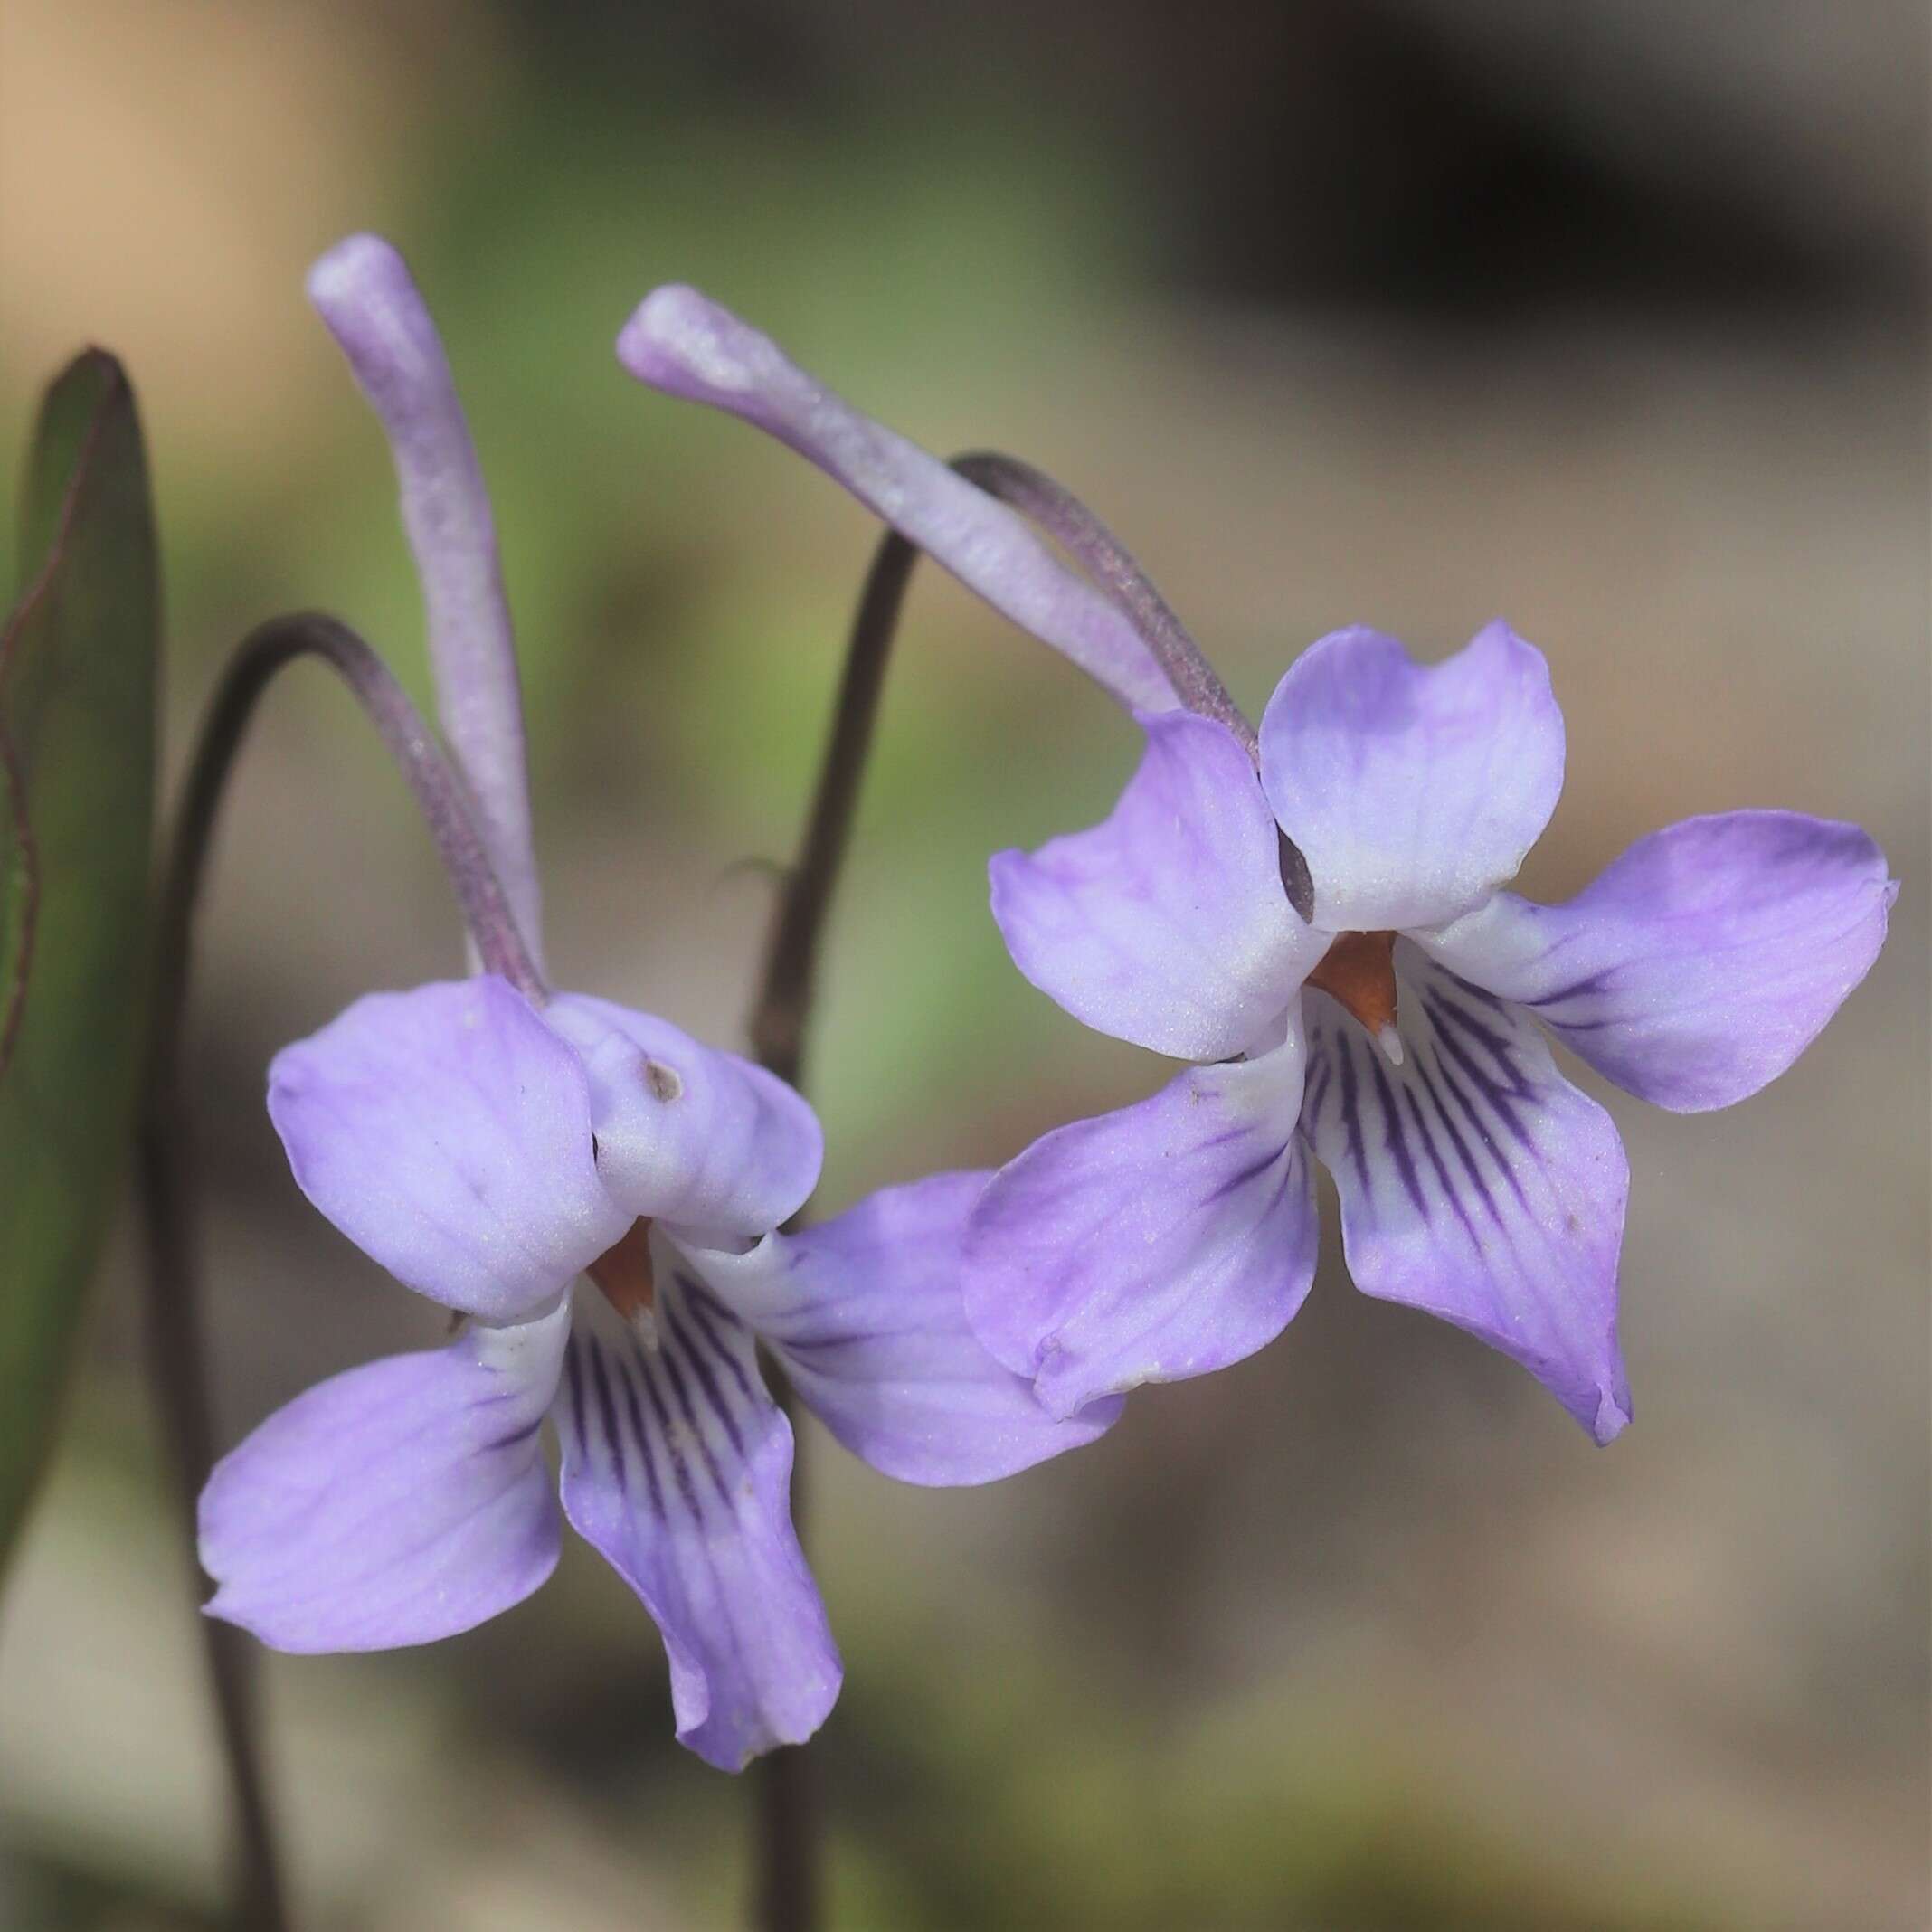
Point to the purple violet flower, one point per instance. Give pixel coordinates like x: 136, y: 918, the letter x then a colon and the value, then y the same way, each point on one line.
x: 490, y: 1149
x: 1394, y: 1035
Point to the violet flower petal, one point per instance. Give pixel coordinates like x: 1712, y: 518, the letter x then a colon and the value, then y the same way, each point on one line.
x: 695, y: 1137
x: 364, y: 291
x: 1412, y: 790
x: 446, y: 1132
x: 677, y: 1468
x: 1476, y: 1182
x: 1166, y: 924
x: 867, y: 1315
x: 1166, y: 1240
x: 1702, y: 962
x: 683, y: 343
x: 398, y: 1503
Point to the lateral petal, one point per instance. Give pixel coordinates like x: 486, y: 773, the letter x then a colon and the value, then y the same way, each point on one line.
x: 1166, y: 924
x: 395, y: 1504
x: 1702, y: 962
x: 1163, y: 1241
x: 868, y: 1314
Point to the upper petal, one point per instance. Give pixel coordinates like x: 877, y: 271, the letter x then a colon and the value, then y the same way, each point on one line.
x: 1412, y: 790
x: 1702, y: 962
x: 395, y: 1504
x: 867, y: 1315
x: 446, y: 1132
x: 678, y: 1469
x: 1476, y: 1183
x: 1166, y: 924
x: 684, y: 343
x: 363, y: 290
x: 687, y: 1134
x: 1163, y: 1241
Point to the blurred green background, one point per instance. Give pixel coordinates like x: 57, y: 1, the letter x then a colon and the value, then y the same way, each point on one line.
x: 1610, y: 319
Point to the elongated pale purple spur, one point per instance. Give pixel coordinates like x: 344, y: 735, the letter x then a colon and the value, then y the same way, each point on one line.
x: 684, y: 343
x: 1392, y: 1036
x: 493, y: 1149
x: 363, y: 290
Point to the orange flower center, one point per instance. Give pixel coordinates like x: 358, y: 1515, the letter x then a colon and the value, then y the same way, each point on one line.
x: 1358, y: 972
x: 624, y: 1273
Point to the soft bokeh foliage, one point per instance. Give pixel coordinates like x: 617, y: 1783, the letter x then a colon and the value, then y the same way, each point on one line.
x: 79, y: 678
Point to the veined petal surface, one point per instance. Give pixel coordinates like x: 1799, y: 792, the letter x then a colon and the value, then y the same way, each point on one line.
x: 395, y: 1504
x: 446, y: 1132
x: 678, y: 1469
x: 1412, y: 790
x: 1702, y: 962
x: 1166, y: 1240
x: 1167, y: 923
x: 867, y: 1313
x: 1476, y: 1182
x: 687, y: 1134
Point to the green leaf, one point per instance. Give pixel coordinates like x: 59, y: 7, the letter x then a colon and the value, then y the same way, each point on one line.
x: 78, y: 663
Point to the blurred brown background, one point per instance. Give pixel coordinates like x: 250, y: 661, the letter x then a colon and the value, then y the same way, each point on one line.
x: 1610, y: 318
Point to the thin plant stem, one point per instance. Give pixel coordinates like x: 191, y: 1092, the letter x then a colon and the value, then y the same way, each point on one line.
x: 789, y: 1885
x: 170, y: 1219
x: 785, y: 994
x: 787, y: 1895
x: 439, y: 793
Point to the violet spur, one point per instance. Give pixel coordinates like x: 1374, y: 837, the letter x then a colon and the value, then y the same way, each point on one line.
x: 1393, y: 1035
x: 495, y: 1149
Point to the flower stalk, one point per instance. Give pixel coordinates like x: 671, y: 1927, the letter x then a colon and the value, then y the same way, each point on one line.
x: 788, y: 1886
x: 170, y: 1221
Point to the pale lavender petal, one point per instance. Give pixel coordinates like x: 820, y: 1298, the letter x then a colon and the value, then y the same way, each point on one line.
x: 1163, y: 1241
x: 866, y: 1313
x: 693, y: 1137
x: 446, y: 1132
x: 395, y: 1504
x: 1166, y: 924
x: 1412, y: 791
x: 684, y: 343
x: 1702, y: 962
x: 677, y: 1468
x: 1476, y: 1183
x: 364, y: 291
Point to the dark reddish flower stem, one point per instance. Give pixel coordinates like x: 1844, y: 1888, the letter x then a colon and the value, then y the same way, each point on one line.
x: 170, y: 1219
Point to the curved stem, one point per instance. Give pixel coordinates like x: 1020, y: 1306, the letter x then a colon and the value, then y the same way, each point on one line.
x: 1198, y: 684
x: 445, y: 805
x: 1062, y: 514
x: 170, y: 1225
